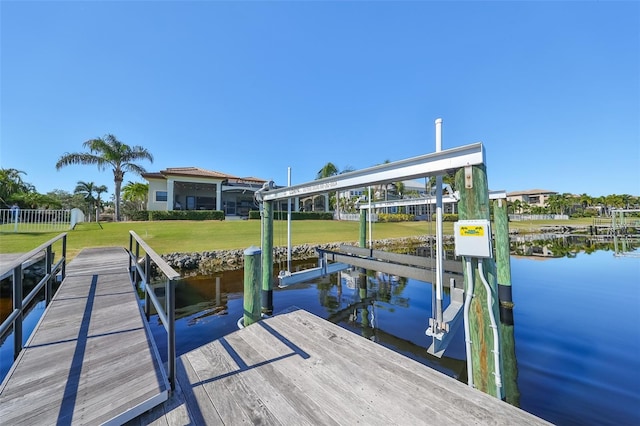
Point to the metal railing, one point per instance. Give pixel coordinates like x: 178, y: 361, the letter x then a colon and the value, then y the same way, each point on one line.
x: 525, y: 217
x: 15, y: 270
x: 142, y: 272
x: 39, y: 220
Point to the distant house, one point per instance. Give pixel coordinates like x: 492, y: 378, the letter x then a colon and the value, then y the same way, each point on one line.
x: 412, y: 189
x: 534, y: 197
x: 193, y: 188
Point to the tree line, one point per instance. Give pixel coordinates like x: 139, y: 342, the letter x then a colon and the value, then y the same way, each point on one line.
x: 109, y: 152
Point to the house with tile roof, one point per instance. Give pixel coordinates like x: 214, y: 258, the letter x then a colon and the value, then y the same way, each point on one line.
x: 534, y: 197
x: 193, y: 188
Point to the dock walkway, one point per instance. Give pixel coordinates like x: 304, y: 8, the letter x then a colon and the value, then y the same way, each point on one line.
x: 91, y: 359
x: 298, y: 369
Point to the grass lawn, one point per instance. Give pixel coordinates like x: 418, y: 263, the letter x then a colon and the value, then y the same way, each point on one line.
x: 198, y: 236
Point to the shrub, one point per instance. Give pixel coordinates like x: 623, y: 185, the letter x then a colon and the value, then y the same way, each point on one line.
x: 396, y: 217
x: 447, y: 217
x: 584, y: 213
x: 178, y: 215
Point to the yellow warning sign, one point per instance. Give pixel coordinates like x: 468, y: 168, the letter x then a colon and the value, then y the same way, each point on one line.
x: 472, y: 231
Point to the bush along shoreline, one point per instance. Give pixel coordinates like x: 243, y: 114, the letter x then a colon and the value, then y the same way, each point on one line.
x: 209, y: 262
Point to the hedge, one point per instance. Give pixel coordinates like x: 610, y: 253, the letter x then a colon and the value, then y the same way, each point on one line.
x: 278, y: 215
x: 447, y: 217
x: 395, y: 217
x: 178, y: 215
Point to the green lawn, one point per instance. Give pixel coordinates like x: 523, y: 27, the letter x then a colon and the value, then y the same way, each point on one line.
x: 198, y: 236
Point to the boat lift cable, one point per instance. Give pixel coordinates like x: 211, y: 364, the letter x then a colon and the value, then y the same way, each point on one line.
x: 432, y: 256
x: 289, y: 224
x: 467, y: 328
x: 439, y: 290
x: 280, y: 261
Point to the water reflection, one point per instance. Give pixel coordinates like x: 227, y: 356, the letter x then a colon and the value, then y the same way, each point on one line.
x: 562, y: 360
x: 576, y: 337
x: 556, y: 246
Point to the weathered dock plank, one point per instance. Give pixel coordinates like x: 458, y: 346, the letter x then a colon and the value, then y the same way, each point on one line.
x: 90, y: 359
x: 296, y: 368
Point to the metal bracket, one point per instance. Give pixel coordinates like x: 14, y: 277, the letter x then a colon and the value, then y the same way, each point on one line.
x: 468, y: 177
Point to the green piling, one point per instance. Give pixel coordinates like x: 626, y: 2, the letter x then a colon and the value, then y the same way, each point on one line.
x: 503, y: 259
x: 363, y: 228
x: 507, y: 339
x: 471, y: 182
x: 252, y: 277
x: 267, y: 258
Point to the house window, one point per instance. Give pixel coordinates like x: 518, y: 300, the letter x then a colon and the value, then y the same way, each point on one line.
x: 161, y: 195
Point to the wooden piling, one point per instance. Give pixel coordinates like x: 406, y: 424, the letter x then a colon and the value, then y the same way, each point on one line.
x: 252, y: 280
x: 363, y: 228
x: 503, y: 259
x: 267, y: 258
x: 471, y: 182
x: 507, y: 338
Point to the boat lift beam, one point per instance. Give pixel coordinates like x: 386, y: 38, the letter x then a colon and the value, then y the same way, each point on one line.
x: 493, y: 195
x: 434, y: 164
x: 437, y: 163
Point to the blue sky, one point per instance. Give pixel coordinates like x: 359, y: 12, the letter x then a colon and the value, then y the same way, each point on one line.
x: 250, y: 88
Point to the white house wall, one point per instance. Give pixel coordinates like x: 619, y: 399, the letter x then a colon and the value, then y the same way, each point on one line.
x: 156, y: 185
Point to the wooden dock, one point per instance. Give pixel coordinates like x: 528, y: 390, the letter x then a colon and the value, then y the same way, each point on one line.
x: 91, y: 358
x: 298, y: 369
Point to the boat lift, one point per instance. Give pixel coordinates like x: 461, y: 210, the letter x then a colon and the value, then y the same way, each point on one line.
x: 435, y: 164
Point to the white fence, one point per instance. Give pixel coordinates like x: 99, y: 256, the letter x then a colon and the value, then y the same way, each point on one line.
x: 523, y: 217
x: 355, y: 217
x: 39, y: 220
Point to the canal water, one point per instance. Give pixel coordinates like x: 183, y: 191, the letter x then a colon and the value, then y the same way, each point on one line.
x: 576, y: 315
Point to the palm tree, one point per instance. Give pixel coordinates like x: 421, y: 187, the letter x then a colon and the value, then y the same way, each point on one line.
x: 586, y: 200
x: 326, y: 171
x: 99, y: 190
x: 11, y: 183
x: 109, y: 152
x: 136, y: 192
x: 86, y: 189
x: 555, y: 203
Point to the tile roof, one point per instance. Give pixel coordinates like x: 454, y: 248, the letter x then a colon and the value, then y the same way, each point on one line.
x: 198, y: 172
x: 249, y: 179
x: 195, y: 171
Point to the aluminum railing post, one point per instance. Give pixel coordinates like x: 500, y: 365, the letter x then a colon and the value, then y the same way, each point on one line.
x: 48, y: 288
x: 64, y: 255
x: 147, y: 273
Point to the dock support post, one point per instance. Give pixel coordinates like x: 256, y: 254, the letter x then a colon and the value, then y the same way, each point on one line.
x: 267, y: 258
x: 363, y: 228
x: 17, y: 305
x: 252, y: 277
x: 503, y: 260
x: 507, y: 339
x: 471, y: 181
